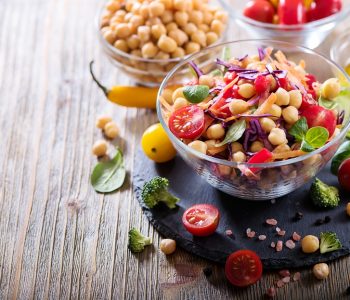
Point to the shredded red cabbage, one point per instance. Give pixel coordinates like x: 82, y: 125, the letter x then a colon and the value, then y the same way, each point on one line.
x: 340, y: 118
x: 262, y: 54
x: 254, y: 100
x: 223, y: 63
x: 243, y: 57
x: 198, y: 71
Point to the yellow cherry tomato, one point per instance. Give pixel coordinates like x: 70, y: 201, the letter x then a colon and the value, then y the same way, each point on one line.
x: 157, y: 145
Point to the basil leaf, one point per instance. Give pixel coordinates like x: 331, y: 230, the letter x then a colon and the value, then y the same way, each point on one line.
x: 329, y: 104
x: 196, y: 93
x: 108, y: 176
x: 317, y: 136
x: 342, y: 153
x: 306, y: 147
x: 234, y: 133
x: 299, y: 129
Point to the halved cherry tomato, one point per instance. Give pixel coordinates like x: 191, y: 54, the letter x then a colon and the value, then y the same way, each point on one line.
x: 229, y: 77
x: 263, y: 156
x: 322, y: 9
x: 261, y: 84
x: 344, y: 174
x: 201, y: 219
x: 187, y: 122
x: 319, y: 116
x: 243, y: 268
x: 291, y: 12
x: 260, y: 10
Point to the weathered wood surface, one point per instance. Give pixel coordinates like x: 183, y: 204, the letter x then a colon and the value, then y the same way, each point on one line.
x: 58, y: 238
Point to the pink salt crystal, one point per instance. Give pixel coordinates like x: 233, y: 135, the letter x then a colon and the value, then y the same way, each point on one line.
x: 296, y: 276
x: 271, y: 292
x: 262, y: 237
x: 290, y: 244
x: 251, y: 234
x: 280, y: 283
x: 228, y: 232
x: 273, y: 245
x: 279, y: 246
x: 278, y: 229
x: 284, y: 273
x: 286, y: 279
x: 281, y: 232
x: 271, y: 222
x: 296, y: 237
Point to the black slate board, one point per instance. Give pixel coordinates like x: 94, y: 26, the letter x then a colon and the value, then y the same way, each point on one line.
x: 238, y: 215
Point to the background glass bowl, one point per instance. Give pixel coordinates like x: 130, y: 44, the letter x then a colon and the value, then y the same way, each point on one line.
x: 146, y: 72
x: 310, y: 35
x: 340, y: 51
x: 276, y: 178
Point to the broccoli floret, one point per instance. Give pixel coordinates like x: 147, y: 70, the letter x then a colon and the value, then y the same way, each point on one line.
x: 156, y: 190
x: 329, y: 242
x: 137, y: 241
x: 323, y: 195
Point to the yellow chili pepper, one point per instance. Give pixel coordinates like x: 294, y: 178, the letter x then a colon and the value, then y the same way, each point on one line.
x: 130, y: 96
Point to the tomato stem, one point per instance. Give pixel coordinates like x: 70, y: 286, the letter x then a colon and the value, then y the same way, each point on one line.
x: 102, y: 87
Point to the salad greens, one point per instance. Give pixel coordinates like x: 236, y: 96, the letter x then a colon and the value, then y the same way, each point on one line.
x: 109, y: 176
x: 299, y: 129
x: 329, y: 242
x: 196, y: 93
x: 234, y: 133
x: 342, y: 154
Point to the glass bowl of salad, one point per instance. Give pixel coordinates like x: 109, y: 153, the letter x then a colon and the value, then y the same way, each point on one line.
x: 260, y: 120
x: 302, y: 22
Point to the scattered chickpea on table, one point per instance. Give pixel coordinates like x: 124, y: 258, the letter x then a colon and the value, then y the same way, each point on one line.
x: 167, y: 246
x: 321, y: 271
x: 310, y: 244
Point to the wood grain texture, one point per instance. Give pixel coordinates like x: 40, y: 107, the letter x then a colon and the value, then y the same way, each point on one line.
x: 58, y: 238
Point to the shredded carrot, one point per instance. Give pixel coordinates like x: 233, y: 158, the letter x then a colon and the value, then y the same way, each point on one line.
x: 265, y: 107
x: 288, y: 154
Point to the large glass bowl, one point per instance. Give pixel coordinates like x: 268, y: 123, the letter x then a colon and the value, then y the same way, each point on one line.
x: 277, y: 178
x: 147, y: 72
x: 310, y: 35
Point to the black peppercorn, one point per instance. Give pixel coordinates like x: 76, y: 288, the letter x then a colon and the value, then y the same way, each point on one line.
x: 327, y: 219
x: 298, y: 216
x: 207, y: 271
x: 319, y: 222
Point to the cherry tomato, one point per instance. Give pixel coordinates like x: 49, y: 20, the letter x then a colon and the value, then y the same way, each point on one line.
x: 243, y: 268
x: 261, y: 84
x: 260, y: 10
x: 201, y: 219
x: 187, y: 122
x: 263, y: 156
x: 322, y: 9
x: 319, y: 116
x: 344, y: 174
x: 157, y: 145
x: 229, y: 77
x: 291, y: 12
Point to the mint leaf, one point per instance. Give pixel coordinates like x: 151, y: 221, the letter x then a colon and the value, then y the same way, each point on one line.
x: 108, y: 176
x: 196, y: 93
x: 299, y: 129
x: 306, y: 147
x: 234, y: 133
x: 317, y: 136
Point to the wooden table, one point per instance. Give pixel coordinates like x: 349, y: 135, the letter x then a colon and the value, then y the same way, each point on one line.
x: 58, y: 237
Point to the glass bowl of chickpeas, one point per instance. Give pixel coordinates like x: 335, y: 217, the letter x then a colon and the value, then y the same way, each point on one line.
x: 146, y: 39
x: 204, y: 113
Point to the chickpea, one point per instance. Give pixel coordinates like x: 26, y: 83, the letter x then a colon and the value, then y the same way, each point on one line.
x: 129, y: 5
x: 256, y: 146
x: 295, y: 98
x: 136, y: 53
x: 238, y: 106
x: 217, y: 26
x: 153, y: 21
x: 207, y: 80
x: 180, y: 5
x: 121, y: 45
x: 281, y: 148
x: 199, y: 146
x: 267, y: 124
x: 143, y: 11
x: 277, y: 137
x: 179, y: 103
x: 181, y: 18
x: 313, y: 160
x: 144, y: 33
x: 99, y: 148
x: 137, y: 21
x: 330, y: 88
x: 156, y: 9
x: 158, y: 30
x: 178, y: 36
x: 171, y: 26
x: 162, y: 55
x: 246, y: 90
x: 207, y: 17
x: 195, y: 17
x: 190, y: 28
x: 272, y: 81
x: 102, y: 121
x: 236, y: 146
x: 348, y: 209
x: 178, y: 93
x: 133, y: 42
x: 167, y: 44
x: 210, y: 144
x: 179, y: 52
x: 113, y: 6
x: 221, y: 16
x: 167, y: 17
x: 128, y: 17
x: 167, y: 95
x: 275, y: 111
x: 290, y: 114
x: 239, y: 157
x: 122, y: 30
x: 149, y: 50
x: 310, y: 244
x: 224, y: 170
x: 321, y: 271
x: 215, y: 132
x: 199, y: 37
x: 111, y: 130
x: 212, y: 37
x: 109, y: 36
x: 282, y: 97
x: 192, y: 47
x: 167, y: 246
x: 120, y: 15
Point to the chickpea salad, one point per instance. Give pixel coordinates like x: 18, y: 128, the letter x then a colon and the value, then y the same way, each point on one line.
x: 256, y: 109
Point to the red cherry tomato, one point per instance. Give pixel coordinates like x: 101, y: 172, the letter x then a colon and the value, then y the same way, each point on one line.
x: 319, y: 116
x: 201, y: 219
x: 322, y: 9
x: 260, y: 10
x: 261, y: 84
x: 344, y: 174
x: 291, y: 12
x: 243, y: 268
x: 187, y: 122
x: 229, y: 77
